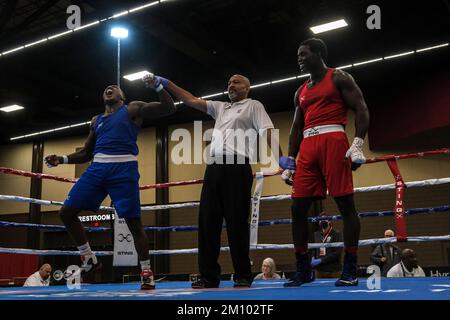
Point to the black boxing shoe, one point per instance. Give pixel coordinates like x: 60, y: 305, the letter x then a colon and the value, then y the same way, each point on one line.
x: 304, y: 272
x: 202, y: 283
x: 89, y: 265
x: 349, y: 272
x: 299, y: 279
x: 242, y: 283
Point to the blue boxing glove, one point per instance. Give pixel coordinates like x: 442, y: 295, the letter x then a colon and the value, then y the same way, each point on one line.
x: 287, y: 163
x: 160, y: 83
x: 155, y: 82
x: 315, y: 262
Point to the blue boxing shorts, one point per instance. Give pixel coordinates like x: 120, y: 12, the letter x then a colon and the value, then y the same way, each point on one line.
x: 119, y: 180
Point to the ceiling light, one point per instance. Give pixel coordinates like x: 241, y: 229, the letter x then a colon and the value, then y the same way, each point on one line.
x: 136, y: 76
x: 12, y: 108
x: 119, y: 33
x: 329, y: 26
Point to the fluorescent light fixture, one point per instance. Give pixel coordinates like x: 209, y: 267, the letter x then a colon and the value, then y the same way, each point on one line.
x: 399, y: 55
x: 345, y: 67
x: 12, y: 108
x: 79, y: 124
x: 213, y: 95
x: 431, y: 48
x: 283, y: 80
x: 59, y: 35
x: 12, y: 50
x: 35, y: 43
x: 120, y: 14
x: 366, y: 62
x: 144, y: 6
x: 32, y: 134
x: 87, y: 25
x: 329, y: 26
x: 260, y: 85
x: 136, y: 76
x: 46, y: 131
x: 61, y: 128
x: 16, y: 138
x: 119, y: 33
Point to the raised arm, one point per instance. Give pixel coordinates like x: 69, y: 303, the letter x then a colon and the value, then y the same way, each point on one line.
x: 83, y: 155
x: 152, y: 110
x: 179, y: 93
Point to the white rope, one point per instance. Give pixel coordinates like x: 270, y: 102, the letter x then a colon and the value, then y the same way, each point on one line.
x: 413, y: 184
x: 367, y: 242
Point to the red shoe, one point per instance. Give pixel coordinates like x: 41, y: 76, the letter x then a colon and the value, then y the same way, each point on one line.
x: 147, y: 281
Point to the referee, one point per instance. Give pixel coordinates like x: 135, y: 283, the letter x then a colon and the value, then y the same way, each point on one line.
x: 228, y: 179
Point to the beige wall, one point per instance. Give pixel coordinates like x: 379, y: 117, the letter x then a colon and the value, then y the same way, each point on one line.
x: 17, y: 157
x: 147, y: 163
x: 55, y: 190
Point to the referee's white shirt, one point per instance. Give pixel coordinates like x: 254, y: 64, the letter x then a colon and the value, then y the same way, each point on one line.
x: 35, y: 280
x: 247, y: 114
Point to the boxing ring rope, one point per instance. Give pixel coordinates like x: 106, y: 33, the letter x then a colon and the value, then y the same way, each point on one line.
x: 362, y: 243
x: 199, y: 181
x: 385, y: 187
x: 399, y: 211
x: 410, y: 212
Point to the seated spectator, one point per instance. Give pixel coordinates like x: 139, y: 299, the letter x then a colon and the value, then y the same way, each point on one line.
x: 327, y: 261
x: 407, y: 267
x: 386, y: 255
x: 40, y: 278
x: 268, y: 269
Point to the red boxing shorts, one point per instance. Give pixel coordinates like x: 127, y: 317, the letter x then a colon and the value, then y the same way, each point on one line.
x: 321, y: 165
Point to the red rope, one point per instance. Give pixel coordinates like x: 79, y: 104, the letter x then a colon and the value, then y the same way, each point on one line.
x: 408, y: 155
x: 190, y: 182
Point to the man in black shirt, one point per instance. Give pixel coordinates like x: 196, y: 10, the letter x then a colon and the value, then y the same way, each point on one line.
x: 386, y: 255
x: 327, y: 261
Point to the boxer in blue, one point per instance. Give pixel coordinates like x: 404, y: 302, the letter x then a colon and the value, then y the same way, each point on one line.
x: 114, y: 171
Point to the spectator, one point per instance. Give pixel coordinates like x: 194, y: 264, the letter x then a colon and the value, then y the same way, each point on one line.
x: 386, y: 255
x: 40, y: 278
x: 268, y: 269
x: 327, y: 261
x: 407, y: 267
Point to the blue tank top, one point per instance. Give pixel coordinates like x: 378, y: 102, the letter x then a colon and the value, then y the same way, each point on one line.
x: 116, y: 134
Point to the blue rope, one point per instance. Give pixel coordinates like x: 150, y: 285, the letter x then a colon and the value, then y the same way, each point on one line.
x: 264, y: 223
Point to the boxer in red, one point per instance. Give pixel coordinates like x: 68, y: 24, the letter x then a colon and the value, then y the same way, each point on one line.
x: 325, y: 159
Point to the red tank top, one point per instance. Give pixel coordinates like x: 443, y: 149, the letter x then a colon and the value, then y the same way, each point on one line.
x: 322, y: 104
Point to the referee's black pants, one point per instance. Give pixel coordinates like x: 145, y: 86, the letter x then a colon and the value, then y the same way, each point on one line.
x: 225, y: 194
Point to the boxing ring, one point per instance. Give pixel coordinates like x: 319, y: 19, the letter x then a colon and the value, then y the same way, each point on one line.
x: 428, y: 288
